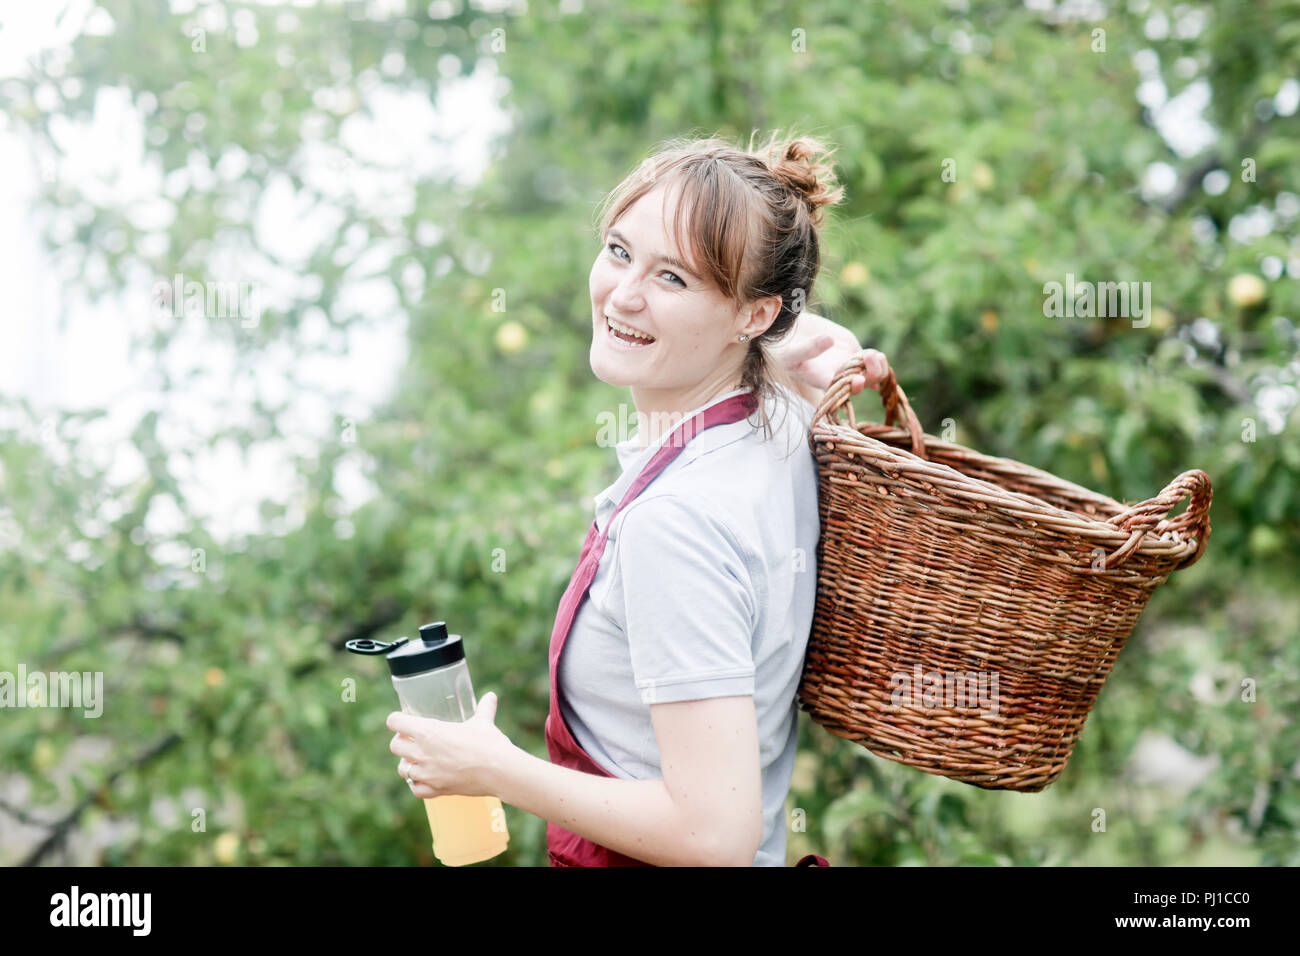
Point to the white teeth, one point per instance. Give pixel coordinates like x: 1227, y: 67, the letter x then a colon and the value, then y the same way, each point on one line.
x: 626, y: 331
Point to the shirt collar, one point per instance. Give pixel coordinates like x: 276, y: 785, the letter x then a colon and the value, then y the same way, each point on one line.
x: 634, y: 458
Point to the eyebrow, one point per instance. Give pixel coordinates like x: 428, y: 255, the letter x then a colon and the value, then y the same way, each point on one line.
x: 667, y: 260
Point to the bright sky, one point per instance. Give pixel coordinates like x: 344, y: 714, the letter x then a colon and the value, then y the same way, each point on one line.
x: 86, y: 363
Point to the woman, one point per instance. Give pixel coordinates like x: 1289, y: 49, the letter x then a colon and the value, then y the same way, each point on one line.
x: 672, y: 723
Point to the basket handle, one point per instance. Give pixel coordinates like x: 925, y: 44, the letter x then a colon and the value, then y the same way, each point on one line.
x: 1150, y: 516
x: 897, y: 407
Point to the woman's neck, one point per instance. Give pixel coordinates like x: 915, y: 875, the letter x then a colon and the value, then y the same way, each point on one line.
x: 659, y: 411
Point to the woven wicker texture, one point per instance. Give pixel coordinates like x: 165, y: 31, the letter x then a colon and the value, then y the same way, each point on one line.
x: 969, y: 608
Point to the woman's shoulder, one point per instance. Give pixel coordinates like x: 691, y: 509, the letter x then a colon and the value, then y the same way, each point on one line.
x: 801, y: 408
x: 688, y: 517
x: 789, y: 418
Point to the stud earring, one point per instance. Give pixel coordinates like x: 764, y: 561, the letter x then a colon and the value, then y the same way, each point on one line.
x: 744, y: 338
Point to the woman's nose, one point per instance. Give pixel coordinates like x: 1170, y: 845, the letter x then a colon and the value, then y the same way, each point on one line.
x: 627, y: 294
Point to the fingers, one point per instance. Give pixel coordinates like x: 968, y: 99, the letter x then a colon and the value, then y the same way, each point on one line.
x: 422, y: 790
x: 875, y: 365
x: 810, y: 349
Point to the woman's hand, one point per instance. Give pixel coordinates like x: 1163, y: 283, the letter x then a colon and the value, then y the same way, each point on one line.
x: 449, y: 757
x: 817, y: 348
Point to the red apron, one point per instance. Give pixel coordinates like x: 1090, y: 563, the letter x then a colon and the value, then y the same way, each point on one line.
x: 564, y: 847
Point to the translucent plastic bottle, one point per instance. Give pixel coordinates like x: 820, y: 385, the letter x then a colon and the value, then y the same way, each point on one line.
x: 432, y: 680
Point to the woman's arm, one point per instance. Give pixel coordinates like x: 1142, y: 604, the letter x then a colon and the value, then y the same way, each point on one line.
x: 706, y: 811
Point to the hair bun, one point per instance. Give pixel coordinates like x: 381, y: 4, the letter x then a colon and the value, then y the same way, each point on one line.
x: 803, y: 165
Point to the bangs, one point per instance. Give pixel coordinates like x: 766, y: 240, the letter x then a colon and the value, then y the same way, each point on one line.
x: 710, y: 223
x: 711, y: 216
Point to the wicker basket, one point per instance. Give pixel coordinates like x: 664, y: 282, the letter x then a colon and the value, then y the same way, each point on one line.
x: 969, y: 608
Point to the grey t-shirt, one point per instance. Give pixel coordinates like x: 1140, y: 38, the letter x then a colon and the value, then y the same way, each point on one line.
x: 705, y: 589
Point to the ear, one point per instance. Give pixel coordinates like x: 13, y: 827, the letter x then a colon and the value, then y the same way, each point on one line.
x: 762, y: 314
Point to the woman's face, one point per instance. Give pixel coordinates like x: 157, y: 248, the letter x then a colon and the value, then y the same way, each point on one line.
x: 635, y: 282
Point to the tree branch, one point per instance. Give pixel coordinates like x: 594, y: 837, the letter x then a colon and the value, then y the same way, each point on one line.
x: 1230, y: 386
x: 384, y: 613
x: 139, y: 627
x: 22, y: 816
x: 66, y: 823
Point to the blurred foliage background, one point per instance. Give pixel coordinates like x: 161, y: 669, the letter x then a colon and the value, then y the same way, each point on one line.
x: 224, y: 666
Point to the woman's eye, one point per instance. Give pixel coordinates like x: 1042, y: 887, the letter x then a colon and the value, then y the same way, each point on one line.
x: 615, y: 246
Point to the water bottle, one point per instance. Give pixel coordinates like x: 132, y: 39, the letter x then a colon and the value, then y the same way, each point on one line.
x: 432, y: 680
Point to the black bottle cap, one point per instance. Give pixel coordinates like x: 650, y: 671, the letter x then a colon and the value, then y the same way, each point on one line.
x: 433, y: 649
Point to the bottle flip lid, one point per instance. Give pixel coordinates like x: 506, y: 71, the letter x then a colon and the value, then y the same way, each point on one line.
x: 434, y: 648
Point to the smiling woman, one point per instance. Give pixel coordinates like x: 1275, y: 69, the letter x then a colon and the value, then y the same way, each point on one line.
x: 679, y: 643
x: 672, y: 723
x: 687, y: 306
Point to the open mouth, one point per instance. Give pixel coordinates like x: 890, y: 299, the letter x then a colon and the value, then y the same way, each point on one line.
x: 626, y: 339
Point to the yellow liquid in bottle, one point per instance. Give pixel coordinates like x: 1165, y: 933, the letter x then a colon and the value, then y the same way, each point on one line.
x: 462, y: 828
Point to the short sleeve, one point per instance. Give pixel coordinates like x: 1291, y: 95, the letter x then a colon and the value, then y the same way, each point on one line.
x: 690, y: 602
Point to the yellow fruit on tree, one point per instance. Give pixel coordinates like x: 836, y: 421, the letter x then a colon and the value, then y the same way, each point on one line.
x: 44, y: 755
x: 511, y: 337
x: 855, y: 273
x: 1246, y: 290
x: 227, y: 845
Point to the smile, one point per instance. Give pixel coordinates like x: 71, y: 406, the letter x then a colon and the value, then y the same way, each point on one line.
x: 624, y: 340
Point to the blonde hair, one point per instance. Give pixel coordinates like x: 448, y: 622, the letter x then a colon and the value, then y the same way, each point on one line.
x: 754, y: 218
